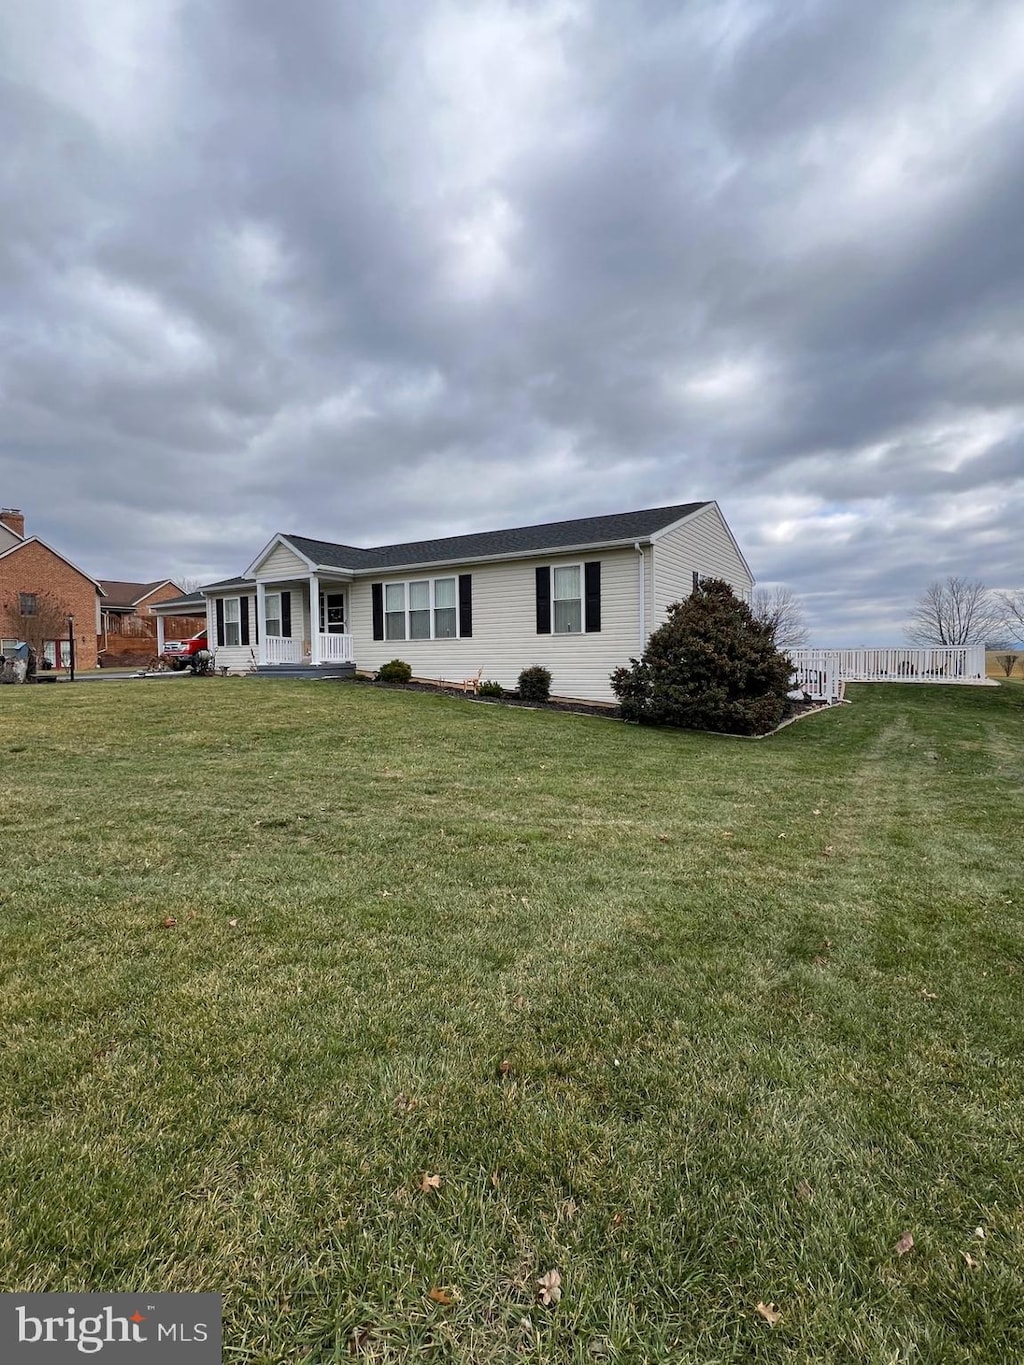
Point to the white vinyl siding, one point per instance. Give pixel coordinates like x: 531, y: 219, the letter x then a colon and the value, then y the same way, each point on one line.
x: 505, y: 638
x: 282, y: 563
x: 235, y: 658
x: 701, y: 544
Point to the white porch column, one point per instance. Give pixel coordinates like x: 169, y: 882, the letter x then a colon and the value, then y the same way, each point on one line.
x: 159, y: 635
x: 314, y: 619
x: 261, y: 620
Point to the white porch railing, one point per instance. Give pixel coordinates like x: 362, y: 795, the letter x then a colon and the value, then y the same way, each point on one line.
x: 278, y: 649
x: 336, y: 649
x: 938, y: 664
x: 815, y: 672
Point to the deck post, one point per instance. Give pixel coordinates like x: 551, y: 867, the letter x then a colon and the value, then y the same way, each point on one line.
x: 159, y: 636
x: 314, y: 620
x: 261, y: 621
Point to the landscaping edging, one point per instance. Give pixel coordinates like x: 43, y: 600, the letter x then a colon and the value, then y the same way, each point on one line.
x: 603, y: 710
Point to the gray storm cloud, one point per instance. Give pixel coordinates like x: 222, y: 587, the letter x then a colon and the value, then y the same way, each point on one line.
x: 377, y: 272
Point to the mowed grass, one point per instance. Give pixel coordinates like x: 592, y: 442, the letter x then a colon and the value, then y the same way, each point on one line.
x: 760, y: 1003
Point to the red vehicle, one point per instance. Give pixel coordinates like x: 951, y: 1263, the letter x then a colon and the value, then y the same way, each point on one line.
x: 182, y: 655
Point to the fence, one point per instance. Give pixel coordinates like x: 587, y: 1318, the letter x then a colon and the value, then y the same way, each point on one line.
x: 819, y: 672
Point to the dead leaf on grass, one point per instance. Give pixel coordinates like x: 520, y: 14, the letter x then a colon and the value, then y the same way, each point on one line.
x: 617, y: 1220
x: 232, y: 924
x: 439, y: 1296
x: 549, y: 1288
x: 928, y: 995
x: 663, y: 839
x: 170, y: 922
x: 979, y: 1232
x: 829, y: 850
x: 429, y: 1182
x: 970, y: 1260
x: 905, y: 1244
x: 769, y: 1313
x: 505, y: 1067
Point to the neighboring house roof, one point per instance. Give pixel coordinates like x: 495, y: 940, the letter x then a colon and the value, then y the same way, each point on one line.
x: 34, y: 540
x: 123, y: 596
x: 581, y: 532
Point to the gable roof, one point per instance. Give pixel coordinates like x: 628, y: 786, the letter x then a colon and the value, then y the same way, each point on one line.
x: 126, y: 595
x: 581, y: 532
x: 34, y: 540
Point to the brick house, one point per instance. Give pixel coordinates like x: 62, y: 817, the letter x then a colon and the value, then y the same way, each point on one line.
x: 39, y: 590
x: 128, y: 628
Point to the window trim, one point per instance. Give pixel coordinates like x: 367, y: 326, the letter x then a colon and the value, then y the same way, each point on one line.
x: 406, y: 584
x: 274, y: 617
x: 581, y: 599
x: 237, y: 622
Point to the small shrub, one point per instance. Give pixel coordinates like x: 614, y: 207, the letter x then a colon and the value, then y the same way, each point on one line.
x: 1006, y: 662
x: 397, y: 671
x: 535, y: 684
x: 490, y: 689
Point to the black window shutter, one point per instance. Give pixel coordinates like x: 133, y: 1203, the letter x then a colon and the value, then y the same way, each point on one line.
x: 286, y: 615
x: 543, y: 601
x: 696, y: 580
x: 243, y: 616
x: 465, y: 605
x: 592, y: 595
x: 220, y: 621
x: 377, y: 593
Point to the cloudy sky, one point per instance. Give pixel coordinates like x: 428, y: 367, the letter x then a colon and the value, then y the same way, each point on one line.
x: 371, y: 272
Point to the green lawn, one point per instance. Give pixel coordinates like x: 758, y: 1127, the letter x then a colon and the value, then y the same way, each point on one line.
x: 760, y: 1005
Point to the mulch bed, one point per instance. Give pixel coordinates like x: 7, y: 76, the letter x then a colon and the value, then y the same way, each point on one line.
x: 609, y: 710
x: 583, y: 708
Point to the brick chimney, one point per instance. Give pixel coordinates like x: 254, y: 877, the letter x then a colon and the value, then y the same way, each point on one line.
x: 13, y: 518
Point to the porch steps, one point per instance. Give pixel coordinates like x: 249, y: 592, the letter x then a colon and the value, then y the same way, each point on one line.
x: 304, y: 671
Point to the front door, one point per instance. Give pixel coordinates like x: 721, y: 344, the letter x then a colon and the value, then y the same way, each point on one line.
x: 332, y: 613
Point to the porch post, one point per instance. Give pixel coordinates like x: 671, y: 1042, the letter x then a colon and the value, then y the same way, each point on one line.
x: 159, y: 635
x: 261, y: 621
x: 314, y: 619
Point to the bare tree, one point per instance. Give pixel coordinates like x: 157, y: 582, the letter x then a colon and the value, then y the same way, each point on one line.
x: 1006, y: 662
x: 782, y: 610
x: 1012, y: 604
x: 37, y: 617
x: 188, y: 585
x: 955, y: 611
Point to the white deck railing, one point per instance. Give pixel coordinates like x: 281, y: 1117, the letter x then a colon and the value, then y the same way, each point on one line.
x: 815, y: 672
x: 279, y: 649
x: 825, y: 669
x: 336, y: 649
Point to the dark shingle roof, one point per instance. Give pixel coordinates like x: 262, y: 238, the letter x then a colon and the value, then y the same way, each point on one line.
x: 552, y: 535
x: 121, y: 594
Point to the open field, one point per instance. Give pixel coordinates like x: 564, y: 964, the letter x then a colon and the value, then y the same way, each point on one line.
x: 761, y: 1006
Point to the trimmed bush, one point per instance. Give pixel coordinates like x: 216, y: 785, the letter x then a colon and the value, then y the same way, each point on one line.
x: 711, y: 666
x: 397, y: 671
x: 490, y: 689
x: 534, y: 684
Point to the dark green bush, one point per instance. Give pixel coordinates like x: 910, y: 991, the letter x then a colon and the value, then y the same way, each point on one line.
x: 534, y: 684
x: 490, y: 689
x: 397, y: 671
x: 711, y: 666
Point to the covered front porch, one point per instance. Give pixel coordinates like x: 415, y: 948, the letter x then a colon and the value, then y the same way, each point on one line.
x: 303, y: 623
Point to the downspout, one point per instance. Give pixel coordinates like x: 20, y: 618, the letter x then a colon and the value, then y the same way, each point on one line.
x: 643, y: 595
